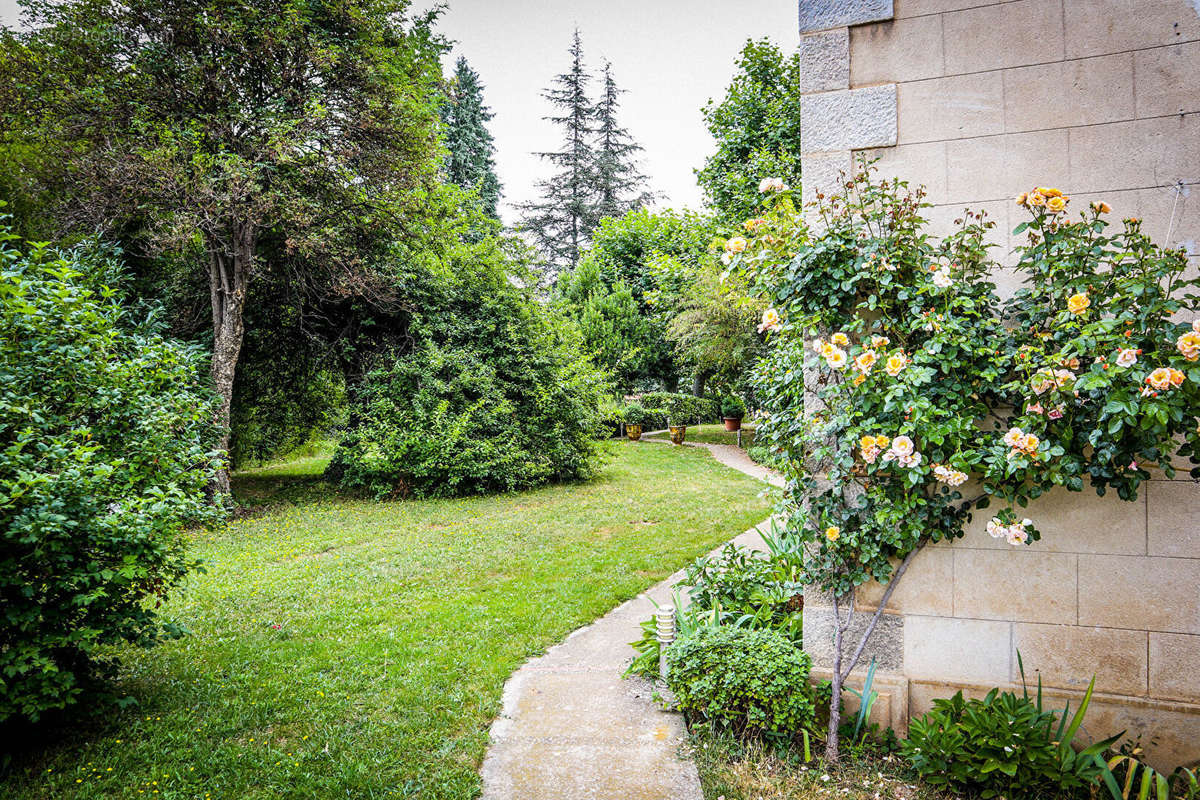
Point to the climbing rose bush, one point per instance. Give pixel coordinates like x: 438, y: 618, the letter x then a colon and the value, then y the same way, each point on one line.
x: 904, y: 394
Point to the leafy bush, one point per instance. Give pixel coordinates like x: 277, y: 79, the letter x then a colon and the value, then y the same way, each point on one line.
x: 750, y: 589
x: 733, y: 407
x: 753, y: 682
x: 1003, y: 745
x: 634, y: 414
x: 495, y: 395
x: 680, y: 409
x: 106, y: 449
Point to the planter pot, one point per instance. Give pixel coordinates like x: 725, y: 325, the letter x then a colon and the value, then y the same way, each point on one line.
x: 634, y: 432
x: 677, y: 433
x: 733, y: 423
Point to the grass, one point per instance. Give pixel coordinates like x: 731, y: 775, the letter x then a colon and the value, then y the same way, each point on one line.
x: 714, y: 434
x: 355, y: 649
x: 753, y: 772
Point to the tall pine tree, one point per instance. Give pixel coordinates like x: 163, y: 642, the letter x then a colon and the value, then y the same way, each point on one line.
x: 470, y: 162
x: 561, y: 221
x: 619, y: 183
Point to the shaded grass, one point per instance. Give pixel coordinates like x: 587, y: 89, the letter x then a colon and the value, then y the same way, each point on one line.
x: 355, y: 649
x: 714, y: 434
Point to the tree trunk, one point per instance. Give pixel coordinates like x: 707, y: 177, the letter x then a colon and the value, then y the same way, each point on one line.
x: 698, y: 383
x: 229, y: 271
x: 832, y: 753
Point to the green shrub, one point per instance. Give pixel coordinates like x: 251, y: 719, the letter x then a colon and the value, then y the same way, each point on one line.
x: 1003, y: 745
x: 681, y: 409
x: 106, y: 448
x: 739, y: 586
x: 733, y: 407
x: 494, y: 395
x: 634, y: 414
x: 753, y: 682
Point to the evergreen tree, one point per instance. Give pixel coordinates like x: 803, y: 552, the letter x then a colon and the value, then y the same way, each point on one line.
x: 618, y: 181
x: 560, y: 223
x: 470, y: 161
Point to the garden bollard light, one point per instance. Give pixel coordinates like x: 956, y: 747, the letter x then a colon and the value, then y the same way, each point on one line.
x: 664, y: 628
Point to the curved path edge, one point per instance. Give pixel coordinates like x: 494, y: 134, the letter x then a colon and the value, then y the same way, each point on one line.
x: 571, y: 728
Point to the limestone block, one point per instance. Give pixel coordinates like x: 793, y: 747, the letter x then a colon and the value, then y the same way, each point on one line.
x: 1170, y: 732
x: 917, y: 8
x: 1015, y: 584
x: 926, y: 588
x: 824, y: 172
x: 1140, y: 592
x: 969, y: 650
x: 1166, y: 79
x: 851, y: 119
x: 903, y: 50
x: 1174, y: 520
x: 921, y: 694
x: 886, y: 644
x: 1094, y: 27
x: 1158, y: 205
x: 1071, y: 93
x: 1154, y: 152
x: 1001, y: 167
x: 951, y: 108
x: 819, y: 15
x: 1005, y: 35
x: 1074, y: 522
x: 1175, y: 667
x: 1066, y: 656
x: 825, y: 61
x: 922, y: 164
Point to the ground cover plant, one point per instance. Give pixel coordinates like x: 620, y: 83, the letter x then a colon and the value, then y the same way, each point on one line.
x: 353, y: 648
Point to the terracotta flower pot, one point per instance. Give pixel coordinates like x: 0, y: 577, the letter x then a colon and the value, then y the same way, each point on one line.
x: 634, y: 432
x: 733, y: 423
x: 677, y: 433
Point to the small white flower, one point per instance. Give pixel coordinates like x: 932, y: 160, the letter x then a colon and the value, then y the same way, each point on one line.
x: 942, y: 279
x: 1126, y: 357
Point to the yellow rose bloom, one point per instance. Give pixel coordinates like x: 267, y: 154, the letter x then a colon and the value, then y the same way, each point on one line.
x: 865, y: 360
x: 896, y: 364
x: 754, y: 224
x: 1189, y: 345
x: 1030, y: 443
x: 1056, y: 204
x: 1046, y: 191
x: 1160, y: 378
x: 736, y: 245
x: 859, y: 379
x: 1022, y: 198
x: 1037, y: 199
x: 840, y: 339
x: 827, y: 349
x: 832, y: 533
x: 1102, y: 206
x: 866, y: 442
x: 1078, y: 303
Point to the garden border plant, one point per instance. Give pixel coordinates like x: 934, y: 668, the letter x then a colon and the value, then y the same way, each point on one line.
x: 897, y: 374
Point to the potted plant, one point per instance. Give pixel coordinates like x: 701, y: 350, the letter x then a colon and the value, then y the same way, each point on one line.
x: 677, y: 420
x: 732, y: 411
x: 635, y: 417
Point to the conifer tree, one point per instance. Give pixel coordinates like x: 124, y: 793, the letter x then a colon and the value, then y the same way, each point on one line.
x: 561, y: 220
x: 470, y: 162
x: 619, y: 183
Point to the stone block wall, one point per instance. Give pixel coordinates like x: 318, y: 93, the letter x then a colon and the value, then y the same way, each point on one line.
x: 979, y: 101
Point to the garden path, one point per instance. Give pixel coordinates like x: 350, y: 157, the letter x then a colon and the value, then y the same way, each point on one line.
x: 572, y: 728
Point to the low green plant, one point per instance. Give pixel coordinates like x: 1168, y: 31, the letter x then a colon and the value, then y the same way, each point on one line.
x: 1004, y: 745
x: 752, y: 682
x: 1129, y: 778
x: 748, y: 589
x: 634, y: 414
x: 732, y: 407
x: 681, y: 409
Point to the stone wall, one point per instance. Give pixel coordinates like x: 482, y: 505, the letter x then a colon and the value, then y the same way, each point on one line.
x: 979, y: 101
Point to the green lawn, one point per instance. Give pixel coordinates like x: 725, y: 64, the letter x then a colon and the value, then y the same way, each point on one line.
x: 353, y: 649
x: 714, y: 434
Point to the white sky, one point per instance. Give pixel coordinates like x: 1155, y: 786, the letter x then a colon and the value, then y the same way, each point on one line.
x: 671, y: 56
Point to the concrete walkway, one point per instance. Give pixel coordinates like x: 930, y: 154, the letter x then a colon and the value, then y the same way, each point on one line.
x: 572, y: 728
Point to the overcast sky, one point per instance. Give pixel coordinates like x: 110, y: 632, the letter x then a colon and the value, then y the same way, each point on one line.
x: 671, y: 56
